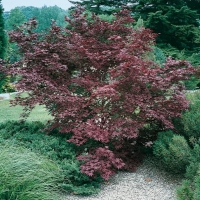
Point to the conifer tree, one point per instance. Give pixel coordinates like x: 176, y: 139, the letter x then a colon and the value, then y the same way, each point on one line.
x: 3, y: 44
x: 102, y: 6
x: 176, y: 22
x: 2, y: 34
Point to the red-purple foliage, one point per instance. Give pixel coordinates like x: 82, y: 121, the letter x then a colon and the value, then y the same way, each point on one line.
x: 96, y: 81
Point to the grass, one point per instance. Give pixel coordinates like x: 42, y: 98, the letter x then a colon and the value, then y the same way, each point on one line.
x: 7, y: 112
x: 27, y: 175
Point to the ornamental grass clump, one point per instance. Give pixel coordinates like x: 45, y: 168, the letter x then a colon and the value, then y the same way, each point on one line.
x: 25, y: 175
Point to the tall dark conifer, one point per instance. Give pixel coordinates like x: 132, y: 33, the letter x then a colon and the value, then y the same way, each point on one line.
x: 2, y: 34
x: 3, y: 44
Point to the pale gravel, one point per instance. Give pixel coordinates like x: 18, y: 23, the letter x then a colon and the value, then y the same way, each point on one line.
x: 149, y: 182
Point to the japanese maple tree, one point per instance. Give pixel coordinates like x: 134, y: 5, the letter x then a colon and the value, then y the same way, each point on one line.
x: 96, y: 80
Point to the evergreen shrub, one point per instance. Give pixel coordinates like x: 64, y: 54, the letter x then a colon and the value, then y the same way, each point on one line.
x: 194, y: 167
x: 191, y: 118
x: 159, y: 55
x: 184, y: 192
x: 173, y: 151
x: 190, y: 189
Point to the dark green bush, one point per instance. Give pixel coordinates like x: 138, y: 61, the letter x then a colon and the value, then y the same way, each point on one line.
x: 53, y: 145
x: 173, y: 151
x: 194, y: 163
x: 197, y: 187
x: 159, y: 55
x: 190, y: 189
x: 189, y: 124
x: 176, y: 155
x: 185, y: 191
x: 191, y: 118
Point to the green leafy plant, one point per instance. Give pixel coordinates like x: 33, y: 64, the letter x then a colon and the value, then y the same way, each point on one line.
x: 159, y: 56
x: 190, y: 189
x: 181, y: 153
x: 193, y: 169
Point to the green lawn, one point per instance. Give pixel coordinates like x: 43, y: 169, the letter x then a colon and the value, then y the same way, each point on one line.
x: 7, y: 112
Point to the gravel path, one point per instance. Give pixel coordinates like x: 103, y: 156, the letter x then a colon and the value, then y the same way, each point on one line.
x: 149, y: 182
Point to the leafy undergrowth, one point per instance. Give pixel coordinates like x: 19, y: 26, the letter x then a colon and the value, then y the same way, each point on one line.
x: 55, y: 147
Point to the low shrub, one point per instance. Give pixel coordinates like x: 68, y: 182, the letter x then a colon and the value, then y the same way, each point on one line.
x: 27, y: 176
x: 184, y: 192
x: 193, y: 169
x: 173, y: 151
x: 55, y: 147
x: 197, y: 187
x: 190, y: 189
x: 191, y: 118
